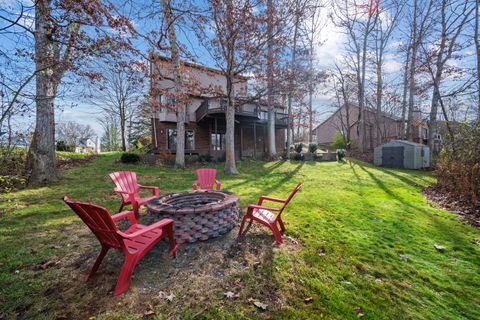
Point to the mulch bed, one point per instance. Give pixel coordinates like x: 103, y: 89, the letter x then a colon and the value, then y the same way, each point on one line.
x: 66, y: 163
x: 462, y: 206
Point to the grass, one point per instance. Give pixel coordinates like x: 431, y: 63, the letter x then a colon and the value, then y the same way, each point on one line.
x: 353, y: 221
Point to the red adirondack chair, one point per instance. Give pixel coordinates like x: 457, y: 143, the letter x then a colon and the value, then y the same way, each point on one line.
x: 268, y: 216
x: 206, y: 180
x: 126, y: 185
x: 135, y: 242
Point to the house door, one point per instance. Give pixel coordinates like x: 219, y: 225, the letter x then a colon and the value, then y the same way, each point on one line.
x: 392, y: 157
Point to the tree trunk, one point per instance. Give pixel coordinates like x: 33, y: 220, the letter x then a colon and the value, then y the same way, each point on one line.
x: 123, y: 130
x: 404, y: 98
x: 379, y: 95
x: 272, y: 152
x: 180, y: 107
x: 310, y: 94
x: 41, y: 157
x: 290, y: 93
x: 411, y: 80
x: 230, y: 166
x: 477, y: 47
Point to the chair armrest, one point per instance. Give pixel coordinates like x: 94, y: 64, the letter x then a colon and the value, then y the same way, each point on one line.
x: 157, y: 225
x: 123, y: 215
x: 195, y: 185
x: 256, y: 206
x: 219, y: 185
x: 154, y: 189
x: 263, y: 198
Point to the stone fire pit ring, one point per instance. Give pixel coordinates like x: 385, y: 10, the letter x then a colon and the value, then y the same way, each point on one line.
x: 197, y: 215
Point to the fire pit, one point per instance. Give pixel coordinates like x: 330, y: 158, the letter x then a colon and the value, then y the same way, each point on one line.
x: 197, y: 215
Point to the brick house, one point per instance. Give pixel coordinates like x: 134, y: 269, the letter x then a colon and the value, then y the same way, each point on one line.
x: 390, y: 127
x: 205, y: 119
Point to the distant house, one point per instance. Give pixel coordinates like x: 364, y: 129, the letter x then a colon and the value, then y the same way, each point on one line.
x: 88, y: 145
x: 346, y: 121
x: 206, y: 107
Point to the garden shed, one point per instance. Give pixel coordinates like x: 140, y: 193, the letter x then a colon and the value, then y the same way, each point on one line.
x: 402, y: 154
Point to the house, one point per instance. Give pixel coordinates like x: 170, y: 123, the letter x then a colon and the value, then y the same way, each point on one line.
x: 205, y: 89
x: 88, y: 145
x: 346, y: 120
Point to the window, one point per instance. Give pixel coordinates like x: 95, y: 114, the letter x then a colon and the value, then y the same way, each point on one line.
x: 217, y: 140
x: 263, y: 115
x: 161, y: 98
x: 172, y: 139
x: 438, y: 137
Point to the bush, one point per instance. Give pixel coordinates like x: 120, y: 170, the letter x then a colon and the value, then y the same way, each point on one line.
x: 340, y: 154
x: 338, y: 141
x: 11, y: 183
x: 205, y: 158
x: 13, y: 161
x: 458, y: 166
x: 299, y: 147
x: 298, y: 156
x: 312, y: 147
x: 128, y: 157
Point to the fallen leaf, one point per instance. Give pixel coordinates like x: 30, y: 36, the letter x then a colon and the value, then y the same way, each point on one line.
x: 359, y: 312
x: 321, y: 253
x: 439, y: 247
x: 258, y: 304
x: 230, y: 295
x: 170, y: 297
x: 308, y: 299
x: 404, y: 257
x: 148, y: 314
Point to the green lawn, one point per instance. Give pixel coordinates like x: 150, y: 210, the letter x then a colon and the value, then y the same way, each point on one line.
x: 352, y: 222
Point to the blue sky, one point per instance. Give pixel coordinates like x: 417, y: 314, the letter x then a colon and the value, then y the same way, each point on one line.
x: 72, y: 107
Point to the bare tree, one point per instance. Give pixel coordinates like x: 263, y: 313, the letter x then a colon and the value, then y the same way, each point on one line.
x: 73, y: 134
x: 454, y: 15
x: 119, y: 91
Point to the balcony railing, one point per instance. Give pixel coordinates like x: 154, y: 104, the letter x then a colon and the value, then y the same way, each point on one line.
x: 245, y: 110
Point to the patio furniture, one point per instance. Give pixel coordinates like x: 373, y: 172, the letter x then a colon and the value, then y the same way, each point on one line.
x: 268, y: 216
x: 206, y: 180
x: 126, y: 185
x: 134, y: 243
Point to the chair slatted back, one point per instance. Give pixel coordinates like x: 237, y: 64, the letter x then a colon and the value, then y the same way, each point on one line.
x: 206, y: 178
x: 125, y: 181
x: 290, y: 197
x: 99, y: 221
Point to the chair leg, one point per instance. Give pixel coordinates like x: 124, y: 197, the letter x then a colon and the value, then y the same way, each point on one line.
x: 171, y: 240
x: 242, y: 225
x: 97, y: 263
x: 282, y: 225
x: 276, y: 234
x: 125, y: 275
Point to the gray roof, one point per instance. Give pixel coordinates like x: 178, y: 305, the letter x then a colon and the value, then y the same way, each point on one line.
x: 410, y: 143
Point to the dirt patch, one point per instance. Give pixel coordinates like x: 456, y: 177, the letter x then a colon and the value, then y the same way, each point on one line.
x: 67, y: 163
x: 462, y: 206
x: 202, y: 273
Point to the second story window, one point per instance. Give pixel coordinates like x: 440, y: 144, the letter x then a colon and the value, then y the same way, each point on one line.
x: 263, y: 115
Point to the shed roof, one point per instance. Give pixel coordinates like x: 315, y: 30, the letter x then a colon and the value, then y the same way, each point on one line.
x: 410, y: 143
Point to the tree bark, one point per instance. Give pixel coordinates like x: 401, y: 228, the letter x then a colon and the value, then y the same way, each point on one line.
x: 292, y: 85
x: 411, y: 80
x: 230, y: 165
x: 405, y: 93
x: 41, y: 157
x: 477, y: 49
x: 310, y: 93
x: 272, y: 152
x: 180, y: 107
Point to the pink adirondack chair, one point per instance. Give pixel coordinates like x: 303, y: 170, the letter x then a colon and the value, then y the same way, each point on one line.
x: 268, y: 216
x: 135, y: 242
x: 206, y: 180
x: 126, y: 185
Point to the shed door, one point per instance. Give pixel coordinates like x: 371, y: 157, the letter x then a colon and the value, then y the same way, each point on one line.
x: 392, y: 157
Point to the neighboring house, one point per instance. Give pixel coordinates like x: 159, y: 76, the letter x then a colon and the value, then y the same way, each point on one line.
x: 88, y: 145
x: 345, y: 120
x: 205, y: 89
